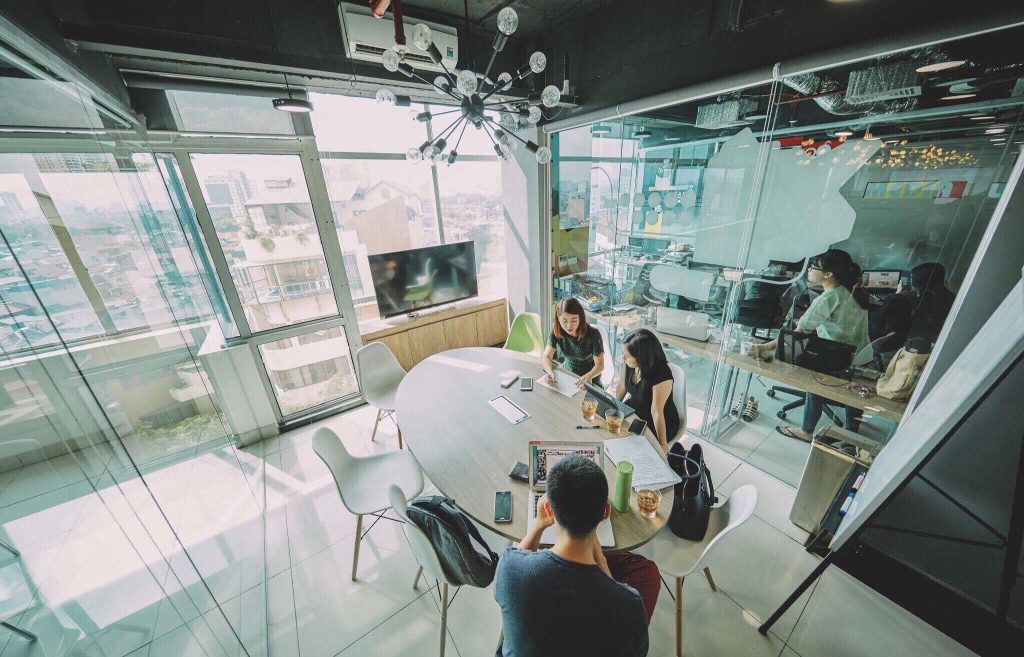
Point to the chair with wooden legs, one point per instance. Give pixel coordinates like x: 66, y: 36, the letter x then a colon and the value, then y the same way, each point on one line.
x: 380, y: 374
x: 361, y: 480
x: 677, y: 557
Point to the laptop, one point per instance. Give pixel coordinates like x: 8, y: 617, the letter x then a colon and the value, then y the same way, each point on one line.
x: 880, y: 280
x: 606, y: 401
x: 543, y: 456
x: 684, y: 323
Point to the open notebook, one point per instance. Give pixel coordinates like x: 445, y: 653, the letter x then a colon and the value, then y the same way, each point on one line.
x: 543, y: 456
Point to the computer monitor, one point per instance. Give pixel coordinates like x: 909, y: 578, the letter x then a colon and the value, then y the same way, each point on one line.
x: 880, y: 280
x: 649, y: 245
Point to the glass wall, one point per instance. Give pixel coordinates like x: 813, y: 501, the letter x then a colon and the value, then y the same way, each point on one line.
x: 382, y: 203
x: 113, y: 448
x: 700, y: 220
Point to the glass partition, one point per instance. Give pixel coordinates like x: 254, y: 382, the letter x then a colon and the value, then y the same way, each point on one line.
x: 702, y: 221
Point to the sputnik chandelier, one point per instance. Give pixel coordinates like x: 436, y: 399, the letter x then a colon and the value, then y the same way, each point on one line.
x: 473, y: 92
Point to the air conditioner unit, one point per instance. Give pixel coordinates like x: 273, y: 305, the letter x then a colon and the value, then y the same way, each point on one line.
x: 887, y: 82
x: 366, y: 37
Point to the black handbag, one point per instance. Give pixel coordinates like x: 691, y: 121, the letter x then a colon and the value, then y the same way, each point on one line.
x: 810, y: 351
x: 694, y: 495
x: 452, y: 535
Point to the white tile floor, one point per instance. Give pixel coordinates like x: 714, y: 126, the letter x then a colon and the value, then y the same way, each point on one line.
x: 99, y: 594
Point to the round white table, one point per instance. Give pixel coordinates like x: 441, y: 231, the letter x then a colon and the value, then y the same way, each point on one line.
x: 467, y: 448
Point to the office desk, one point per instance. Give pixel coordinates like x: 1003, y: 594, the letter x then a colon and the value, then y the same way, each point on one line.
x: 467, y: 448
x: 829, y: 387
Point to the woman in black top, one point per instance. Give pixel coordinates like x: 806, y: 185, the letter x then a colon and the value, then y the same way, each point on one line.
x: 574, y: 344
x: 647, y: 378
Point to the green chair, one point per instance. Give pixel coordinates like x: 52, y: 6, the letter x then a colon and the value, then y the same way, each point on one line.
x: 525, y: 336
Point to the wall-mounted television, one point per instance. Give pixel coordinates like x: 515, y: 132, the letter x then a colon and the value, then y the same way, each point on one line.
x: 413, y: 280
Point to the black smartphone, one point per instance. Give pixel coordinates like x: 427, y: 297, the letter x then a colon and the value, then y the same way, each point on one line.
x: 503, y: 506
x: 526, y: 383
x: 519, y: 471
x: 637, y: 426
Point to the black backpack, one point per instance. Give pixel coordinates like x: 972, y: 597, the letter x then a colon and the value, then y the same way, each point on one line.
x: 694, y: 495
x: 452, y: 533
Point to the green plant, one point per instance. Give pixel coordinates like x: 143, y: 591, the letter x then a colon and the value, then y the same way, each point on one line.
x: 248, y: 230
x: 302, y: 238
x: 267, y: 243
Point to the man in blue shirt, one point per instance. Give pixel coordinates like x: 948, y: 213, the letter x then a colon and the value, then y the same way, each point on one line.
x: 566, y: 601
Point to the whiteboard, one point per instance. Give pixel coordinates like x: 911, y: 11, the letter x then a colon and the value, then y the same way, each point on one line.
x: 999, y: 343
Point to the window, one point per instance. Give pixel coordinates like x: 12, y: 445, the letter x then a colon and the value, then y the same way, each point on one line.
x: 269, y: 236
x: 309, y: 369
x: 201, y: 111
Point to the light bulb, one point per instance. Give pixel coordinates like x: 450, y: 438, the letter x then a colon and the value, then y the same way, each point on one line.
x: 390, y: 59
x: 433, y: 153
x: 413, y: 155
x: 543, y: 155
x: 508, y: 121
x: 467, y: 82
x: 422, y: 37
x: 537, y: 62
x: 386, y: 96
x: 508, y: 20
x: 550, y: 96
x: 535, y: 114
x: 508, y: 143
x: 504, y: 79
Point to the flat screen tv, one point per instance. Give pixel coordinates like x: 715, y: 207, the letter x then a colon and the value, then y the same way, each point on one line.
x: 408, y: 281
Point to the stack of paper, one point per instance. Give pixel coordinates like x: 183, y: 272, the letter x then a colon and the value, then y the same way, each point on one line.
x: 649, y: 469
x: 565, y: 383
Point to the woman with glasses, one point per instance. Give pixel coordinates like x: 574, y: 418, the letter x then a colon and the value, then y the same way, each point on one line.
x: 838, y: 314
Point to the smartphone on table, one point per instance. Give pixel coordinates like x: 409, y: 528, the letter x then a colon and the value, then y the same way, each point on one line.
x: 503, y: 506
x: 526, y: 383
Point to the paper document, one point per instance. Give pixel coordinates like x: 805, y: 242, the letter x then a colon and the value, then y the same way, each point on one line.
x: 649, y: 470
x: 565, y: 383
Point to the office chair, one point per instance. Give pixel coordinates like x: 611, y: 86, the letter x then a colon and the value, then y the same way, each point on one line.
x: 759, y: 304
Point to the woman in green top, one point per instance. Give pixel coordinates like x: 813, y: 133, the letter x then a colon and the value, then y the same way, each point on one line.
x: 838, y: 314
x: 574, y: 344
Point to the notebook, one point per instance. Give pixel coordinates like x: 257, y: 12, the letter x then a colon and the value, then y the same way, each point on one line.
x: 543, y: 456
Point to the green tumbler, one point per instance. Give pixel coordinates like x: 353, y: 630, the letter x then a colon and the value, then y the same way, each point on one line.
x: 623, y: 484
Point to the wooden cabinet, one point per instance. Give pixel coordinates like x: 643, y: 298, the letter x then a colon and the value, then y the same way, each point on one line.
x: 481, y: 325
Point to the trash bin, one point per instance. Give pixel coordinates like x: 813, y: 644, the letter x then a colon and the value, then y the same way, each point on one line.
x: 833, y: 453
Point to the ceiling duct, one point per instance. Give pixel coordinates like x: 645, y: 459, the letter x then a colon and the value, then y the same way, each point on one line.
x: 819, y: 84
x: 726, y: 114
x: 887, y: 82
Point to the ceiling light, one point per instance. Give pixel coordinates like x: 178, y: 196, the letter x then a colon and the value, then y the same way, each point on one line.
x: 959, y: 96
x: 470, y: 90
x: 982, y: 118
x: 600, y: 129
x: 642, y: 132
x: 995, y: 131
x: 290, y: 104
x: 940, y: 66
x: 870, y: 136
x: 844, y: 133
x: 667, y: 138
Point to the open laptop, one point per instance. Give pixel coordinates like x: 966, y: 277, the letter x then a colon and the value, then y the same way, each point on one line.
x: 684, y: 323
x: 880, y: 280
x: 543, y: 456
x: 606, y: 400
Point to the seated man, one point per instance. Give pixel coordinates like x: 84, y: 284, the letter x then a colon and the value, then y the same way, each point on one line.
x: 571, y: 600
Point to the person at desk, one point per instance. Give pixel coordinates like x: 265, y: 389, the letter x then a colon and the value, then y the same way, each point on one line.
x: 575, y: 344
x: 917, y: 313
x: 837, y: 314
x: 648, y: 380
x: 572, y: 599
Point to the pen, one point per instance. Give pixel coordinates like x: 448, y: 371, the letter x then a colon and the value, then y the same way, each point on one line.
x: 596, y: 426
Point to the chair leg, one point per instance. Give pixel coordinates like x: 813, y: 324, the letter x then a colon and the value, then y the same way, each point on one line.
x: 444, y: 616
x: 419, y: 572
x: 25, y: 634
x: 679, y: 617
x: 355, y: 550
x: 711, y: 581
x: 399, y: 436
x: 374, y: 434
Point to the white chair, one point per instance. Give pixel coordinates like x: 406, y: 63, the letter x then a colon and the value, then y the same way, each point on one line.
x: 608, y: 374
x: 361, y: 480
x: 679, y: 396
x: 678, y: 557
x: 426, y: 557
x: 380, y: 374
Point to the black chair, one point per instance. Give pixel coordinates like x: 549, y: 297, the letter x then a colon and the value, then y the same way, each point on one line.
x: 759, y: 303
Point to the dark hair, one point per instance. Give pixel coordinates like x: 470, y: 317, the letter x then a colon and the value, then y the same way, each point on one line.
x: 572, y: 306
x: 645, y: 347
x: 859, y: 295
x: 578, y: 492
x: 839, y: 264
x: 929, y: 276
